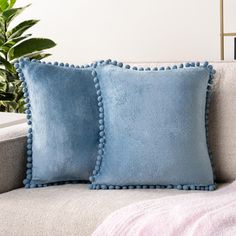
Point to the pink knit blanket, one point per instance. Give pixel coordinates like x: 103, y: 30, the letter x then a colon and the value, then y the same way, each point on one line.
x: 200, y: 214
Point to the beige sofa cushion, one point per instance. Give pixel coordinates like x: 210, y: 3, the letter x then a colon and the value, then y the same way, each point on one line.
x: 66, y: 210
x: 12, y: 156
x: 8, y: 119
x: 222, y: 121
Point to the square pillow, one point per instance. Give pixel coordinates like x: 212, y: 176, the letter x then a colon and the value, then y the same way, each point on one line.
x: 61, y: 108
x: 153, y: 127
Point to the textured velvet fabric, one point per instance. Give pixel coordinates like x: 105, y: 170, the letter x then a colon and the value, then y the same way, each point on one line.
x: 63, y: 111
x: 154, y: 127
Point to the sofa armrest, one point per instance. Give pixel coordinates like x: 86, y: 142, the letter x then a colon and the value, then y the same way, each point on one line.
x: 12, y: 156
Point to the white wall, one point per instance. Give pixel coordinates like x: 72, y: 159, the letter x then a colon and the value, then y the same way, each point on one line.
x: 132, y: 30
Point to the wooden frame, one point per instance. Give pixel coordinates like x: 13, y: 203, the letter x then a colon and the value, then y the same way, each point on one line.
x: 222, y: 33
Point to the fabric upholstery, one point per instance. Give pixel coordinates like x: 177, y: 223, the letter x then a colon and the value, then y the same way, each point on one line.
x: 222, y: 125
x: 154, y: 127
x: 12, y: 163
x: 13, y: 132
x: 62, y: 112
x: 67, y: 209
x: 8, y: 119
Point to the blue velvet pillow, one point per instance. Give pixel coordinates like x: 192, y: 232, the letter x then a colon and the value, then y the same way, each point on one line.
x: 153, y: 127
x: 61, y: 107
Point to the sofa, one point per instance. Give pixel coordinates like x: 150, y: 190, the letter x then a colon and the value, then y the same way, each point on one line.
x: 74, y: 209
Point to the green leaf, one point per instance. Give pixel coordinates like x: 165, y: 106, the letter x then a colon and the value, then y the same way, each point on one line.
x: 4, y: 5
x: 2, y: 39
x: 10, y: 77
x: 4, y: 49
x: 10, y: 43
x: 11, y: 87
x: 2, y: 106
x: 11, y: 4
x: 7, y: 64
x: 21, y: 107
x: 30, y: 46
x: 3, y: 86
x: 2, y: 30
x: 5, y: 74
x: 38, y: 55
x: 18, y: 39
x: 2, y: 24
x: 4, y: 96
x: 21, y: 28
x: 12, y: 105
x: 3, y: 71
x: 10, y: 14
x: 2, y: 74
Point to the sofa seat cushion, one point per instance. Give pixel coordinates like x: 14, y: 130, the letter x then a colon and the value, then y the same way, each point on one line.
x: 67, y: 209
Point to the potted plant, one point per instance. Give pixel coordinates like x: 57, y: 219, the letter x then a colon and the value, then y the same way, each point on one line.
x: 14, y: 44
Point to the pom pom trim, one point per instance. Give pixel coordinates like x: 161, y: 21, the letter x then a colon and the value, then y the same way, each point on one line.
x: 101, y: 146
x: 102, y: 134
x: 19, y: 65
x: 211, y: 187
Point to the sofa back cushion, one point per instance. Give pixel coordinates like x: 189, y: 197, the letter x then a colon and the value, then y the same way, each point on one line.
x: 222, y: 126
x: 222, y: 119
